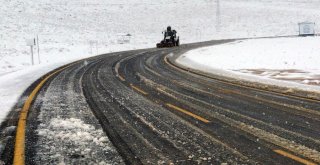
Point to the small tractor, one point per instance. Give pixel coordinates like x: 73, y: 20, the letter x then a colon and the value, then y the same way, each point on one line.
x: 170, y: 39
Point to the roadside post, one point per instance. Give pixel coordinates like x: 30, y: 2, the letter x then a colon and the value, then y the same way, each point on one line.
x: 31, y: 43
x: 38, y: 49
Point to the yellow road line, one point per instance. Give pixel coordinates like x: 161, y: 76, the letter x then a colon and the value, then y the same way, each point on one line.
x: 19, y: 147
x: 117, y: 72
x: 166, y: 93
x: 279, y: 141
x: 261, y: 99
x: 279, y: 104
x: 121, y: 78
x: 188, y: 113
x: 239, y: 85
x: 138, y: 89
x: 298, y: 159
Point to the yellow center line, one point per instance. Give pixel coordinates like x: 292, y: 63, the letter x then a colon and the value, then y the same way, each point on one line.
x: 239, y: 85
x: 298, y: 159
x: 279, y: 104
x: 117, y: 72
x: 188, y: 113
x: 261, y: 99
x: 19, y: 147
x: 138, y: 89
x: 121, y: 78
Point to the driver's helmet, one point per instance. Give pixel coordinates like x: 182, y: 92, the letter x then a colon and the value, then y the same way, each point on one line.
x: 169, y: 28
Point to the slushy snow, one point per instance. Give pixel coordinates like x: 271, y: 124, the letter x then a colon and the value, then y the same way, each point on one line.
x: 75, y: 135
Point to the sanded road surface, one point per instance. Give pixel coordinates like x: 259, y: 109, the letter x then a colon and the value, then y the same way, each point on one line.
x: 156, y: 113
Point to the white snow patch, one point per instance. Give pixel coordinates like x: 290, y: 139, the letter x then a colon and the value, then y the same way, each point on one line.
x: 12, y: 85
x: 71, y: 136
x: 301, y: 53
x: 291, y: 59
x: 73, y: 131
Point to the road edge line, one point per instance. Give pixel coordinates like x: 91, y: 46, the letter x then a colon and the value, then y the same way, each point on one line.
x: 138, y: 89
x: 246, y: 84
x: 293, y: 157
x: 19, y: 145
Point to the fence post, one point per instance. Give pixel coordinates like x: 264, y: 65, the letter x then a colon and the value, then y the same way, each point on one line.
x: 38, y: 49
x: 31, y: 47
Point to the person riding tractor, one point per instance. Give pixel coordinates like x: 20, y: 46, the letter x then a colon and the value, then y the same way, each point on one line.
x: 169, y: 32
x: 170, y: 39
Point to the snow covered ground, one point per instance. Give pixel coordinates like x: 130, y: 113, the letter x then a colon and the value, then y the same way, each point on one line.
x: 74, y: 29
x: 13, y: 85
x: 292, y: 59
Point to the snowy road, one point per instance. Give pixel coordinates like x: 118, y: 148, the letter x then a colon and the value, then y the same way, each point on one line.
x: 136, y: 107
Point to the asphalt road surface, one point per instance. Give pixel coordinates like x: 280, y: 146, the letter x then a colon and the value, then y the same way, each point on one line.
x: 156, y: 113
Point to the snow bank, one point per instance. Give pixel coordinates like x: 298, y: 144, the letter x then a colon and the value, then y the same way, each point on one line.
x: 292, y: 59
x: 12, y: 85
x: 281, y: 53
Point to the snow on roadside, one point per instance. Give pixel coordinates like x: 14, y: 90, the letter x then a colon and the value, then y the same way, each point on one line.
x: 68, y: 131
x: 75, y: 135
x: 12, y: 85
x: 290, y: 59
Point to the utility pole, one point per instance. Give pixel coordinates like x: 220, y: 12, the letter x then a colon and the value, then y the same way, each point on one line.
x: 218, y: 16
x: 91, y: 46
x: 97, y: 47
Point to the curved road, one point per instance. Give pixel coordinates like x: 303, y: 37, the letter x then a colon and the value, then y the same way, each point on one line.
x: 156, y: 113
